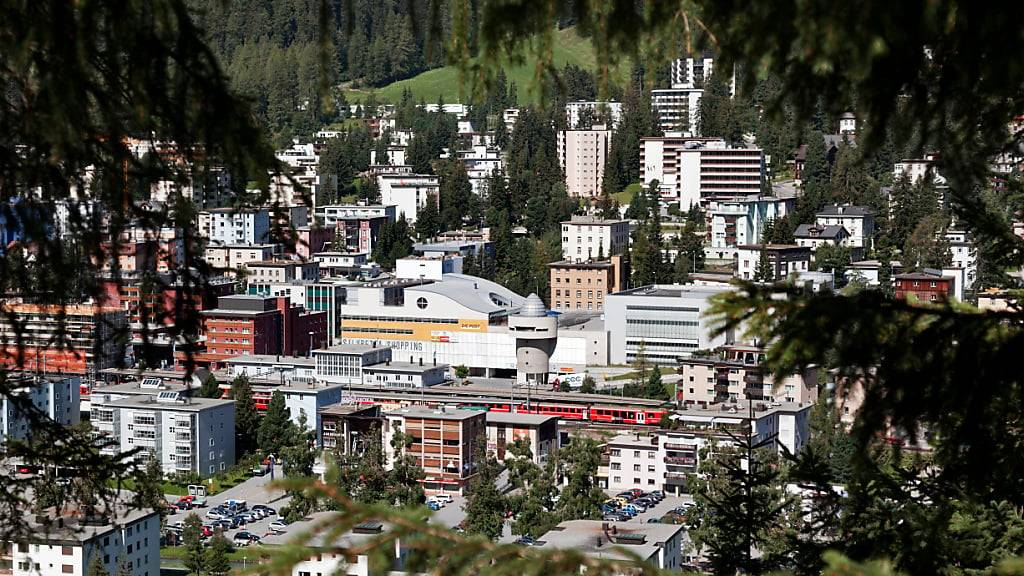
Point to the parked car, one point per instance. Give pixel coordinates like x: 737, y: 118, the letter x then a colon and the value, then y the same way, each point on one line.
x: 445, y: 498
x: 433, y: 505
x: 615, y: 517
x: 660, y: 495
x: 525, y: 541
x: 216, y: 514
x: 654, y: 520
x: 207, y: 531
x: 270, y: 511
x: 626, y: 495
x: 436, y: 500
x: 258, y: 470
x: 636, y: 492
x: 244, y: 538
x: 278, y: 526
x: 631, y: 509
x: 221, y: 525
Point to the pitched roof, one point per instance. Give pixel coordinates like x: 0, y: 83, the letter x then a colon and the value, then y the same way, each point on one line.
x: 814, y: 231
x: 845, y: 210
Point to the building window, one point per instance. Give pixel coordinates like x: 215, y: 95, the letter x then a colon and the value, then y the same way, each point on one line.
x: 67, y: 550
x: 616, y: 466
x: 636, y: 467
x: 67, y: 569
x: 636, y: 453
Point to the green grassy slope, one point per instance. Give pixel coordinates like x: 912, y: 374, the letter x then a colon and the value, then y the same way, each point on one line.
x: 570, y: 48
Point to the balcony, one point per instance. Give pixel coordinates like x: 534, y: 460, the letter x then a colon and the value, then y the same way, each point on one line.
x: 682, y: 460
x: 674, y: 446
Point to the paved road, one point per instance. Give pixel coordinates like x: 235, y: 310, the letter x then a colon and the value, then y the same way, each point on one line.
x: 255, y: 490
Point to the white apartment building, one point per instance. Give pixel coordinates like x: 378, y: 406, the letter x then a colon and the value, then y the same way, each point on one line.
x: 408, y: 193
x: 965, y: 256
x: 395, y: 156
x: 689, y: 170
x: 917, y: 168
x: 667, y: 321
x: 783, y: 260
x: 737, y: 221
x: 226, y: 226
x: 582, y: 154
x: 65, y: 545
x: 677, y: 108
x: 691, y: 72
x: 734, y: 373
x: 302, y: 161
x: 859, y: 222
x: 183, y: 434
x: 608, y: 110
x: 330, y: 215
x: 392, y: 374
x: 663, y: 459
x: 481, y: 162
x: 56, y: 397
x: 589, y: 237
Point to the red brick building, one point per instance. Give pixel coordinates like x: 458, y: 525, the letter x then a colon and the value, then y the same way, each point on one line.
x: 924, y: 286
x: 247, y: 325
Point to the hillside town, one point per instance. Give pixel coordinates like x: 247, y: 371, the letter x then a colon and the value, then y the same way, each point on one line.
x: 510, y: 316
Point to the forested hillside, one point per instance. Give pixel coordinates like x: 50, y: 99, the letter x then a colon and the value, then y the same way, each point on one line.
x: 270, y: 49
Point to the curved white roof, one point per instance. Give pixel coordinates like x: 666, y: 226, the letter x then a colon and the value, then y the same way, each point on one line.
x: 473, y: 292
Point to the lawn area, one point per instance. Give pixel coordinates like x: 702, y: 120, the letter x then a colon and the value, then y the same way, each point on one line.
x: 249, y: 553
x: 626, y: 196
x: 228, y: 479
x: 569, y: 48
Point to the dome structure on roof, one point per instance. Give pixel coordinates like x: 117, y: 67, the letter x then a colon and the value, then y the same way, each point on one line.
x: 533, y: 307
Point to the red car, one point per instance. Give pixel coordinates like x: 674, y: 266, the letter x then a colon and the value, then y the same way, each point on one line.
x: 636, y: 492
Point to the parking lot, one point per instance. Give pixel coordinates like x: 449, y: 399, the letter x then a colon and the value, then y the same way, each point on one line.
x: 255, y: 490
x: 660, y: 509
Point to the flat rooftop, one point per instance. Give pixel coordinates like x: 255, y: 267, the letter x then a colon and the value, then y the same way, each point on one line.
x: 739, y: 410
x: 589, y: 537
x: 644, y: 441
x: 358, y: 536
x: 75, y: 528
x: 272, y: 360
x: 594, y: 221
x: 592, y: 265
x: 347, y: 349
x: 150, y: 403
x: 434, y: 414
x: 349, y: 409
x: 673, y: 291
x: 404, y: 367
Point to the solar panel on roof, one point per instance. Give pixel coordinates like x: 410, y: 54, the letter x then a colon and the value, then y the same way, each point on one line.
x: 151, y: 383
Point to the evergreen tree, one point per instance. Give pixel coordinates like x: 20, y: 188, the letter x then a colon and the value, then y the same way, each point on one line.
x: 690, y: 252
x: 215, y: 558
x: 834, y: 259
x: 124, y: 566
x: 927, y: 246
x: 485, y: 506
x: 428, y: 220
x: 96, y: 567
x: 246, y: 418
x: 210, y: 387
x: 814, y: 180
x: 764, y: 271
x: 655, y: 387
x: 276, y: 429
x: 191, y: 538
x: 588, y: 386
x: 578, y: 462
x: 149, y: 492
x: 457, y: 196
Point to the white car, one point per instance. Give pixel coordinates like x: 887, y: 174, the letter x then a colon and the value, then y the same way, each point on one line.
x: 278, y: 526
x: 443, y: 498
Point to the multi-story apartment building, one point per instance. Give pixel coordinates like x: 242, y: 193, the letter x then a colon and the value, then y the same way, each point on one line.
x: 354, y: 228
x: 347, y: 265
x: 814, y: 236
x: 677, y: 108
x: 589, y: 238
x: 733, y: 222
x: 183, y: 434
x: 442, y: 444
x: 582, y: 154
x: 326, y: 295
x: 311, y: 240
x: 231, y: 226
x: 277, y: 271
x: 965, y: 256
x: 916, y: 169
x: 348, y: 428
x: 689, y: 170
x: 123, y: 537
x: 658, y: 545
x: 75, y: 339
x: 691, y: 72
x: 229, y: 258
x: 783, y: 260
x: 666, y: 322
x: 481, y: 162
x: 601, y: 111
x: 734, y: 373
x: 303, y: 183
x: 925, y: 286
x: 539, y: 431
x: 584, y: 285
x: 408, y: 193
x: 858, y: 221
x: 56, y: 398
x: 662, y: 460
